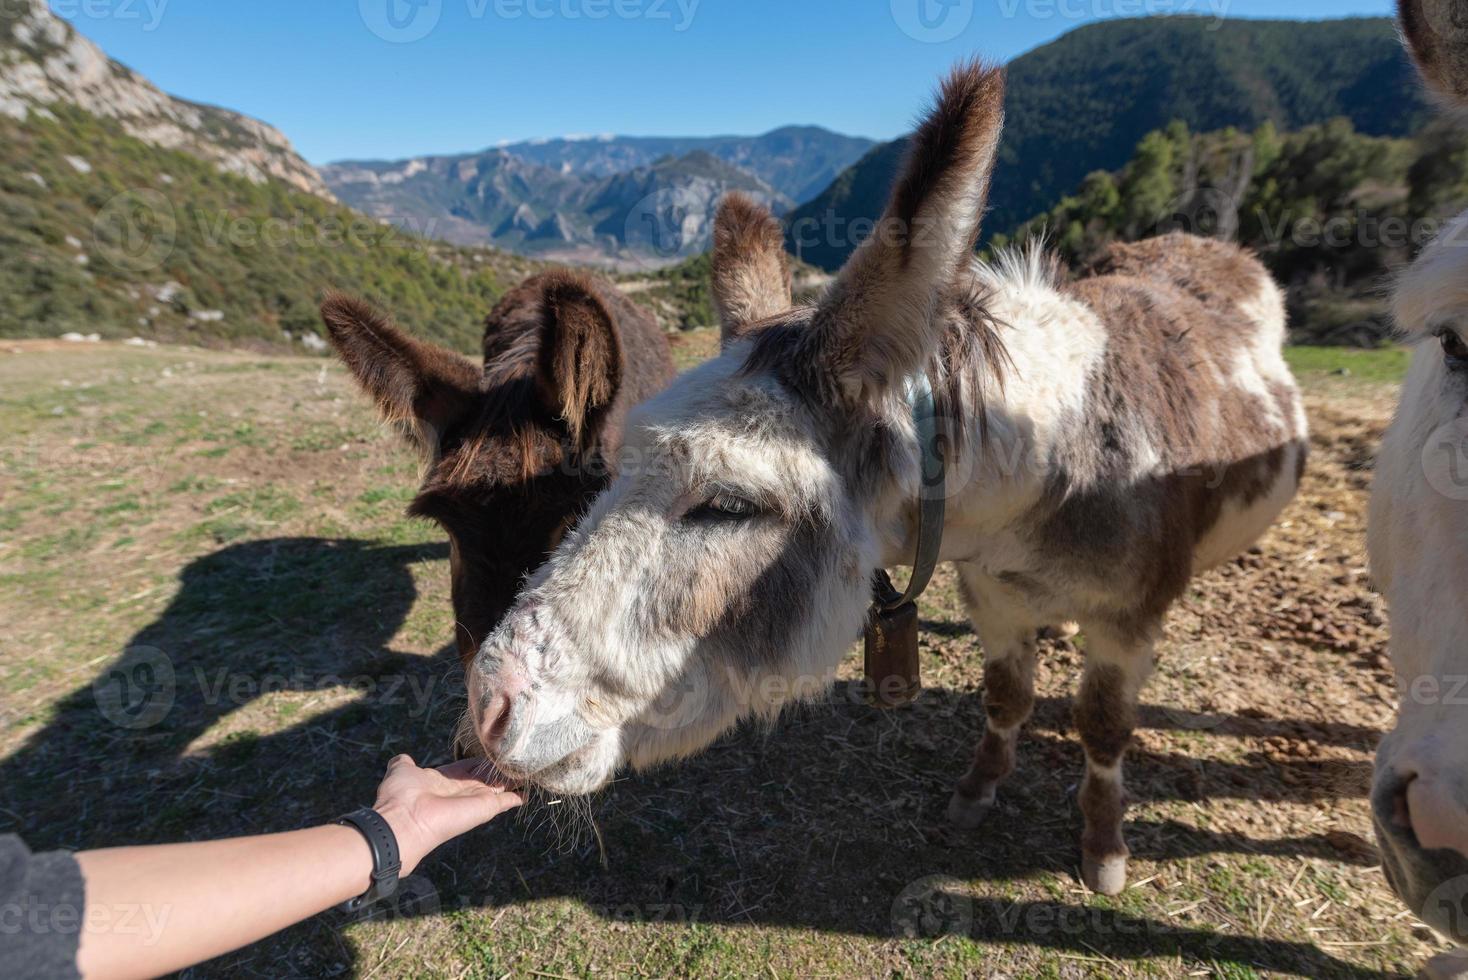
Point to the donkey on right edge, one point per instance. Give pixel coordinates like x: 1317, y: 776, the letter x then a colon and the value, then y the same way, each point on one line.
x: 1419, y: 547
x: 1109, y: 438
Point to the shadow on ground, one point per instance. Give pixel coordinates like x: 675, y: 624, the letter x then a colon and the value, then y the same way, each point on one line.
x: 832, y: 822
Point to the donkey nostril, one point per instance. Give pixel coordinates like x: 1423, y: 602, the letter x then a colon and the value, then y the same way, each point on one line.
x: 496, y: 719
x: 1401, y: 808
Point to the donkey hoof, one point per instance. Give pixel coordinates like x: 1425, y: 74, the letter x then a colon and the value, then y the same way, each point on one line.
x: 1062, y: 631
x: 967, y: 812
x: 1448, y: 966
x: 1104, y: 875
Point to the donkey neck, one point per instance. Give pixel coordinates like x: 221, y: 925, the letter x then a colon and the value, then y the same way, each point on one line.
x: 1014, y: 366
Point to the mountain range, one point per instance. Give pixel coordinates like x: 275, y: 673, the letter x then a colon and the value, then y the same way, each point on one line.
x: 127, y: 213
x: 642, y: 199
x: 125, y: 210
x: 797, y: 161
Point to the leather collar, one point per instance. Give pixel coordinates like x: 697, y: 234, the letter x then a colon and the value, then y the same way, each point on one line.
x: 932, y: 499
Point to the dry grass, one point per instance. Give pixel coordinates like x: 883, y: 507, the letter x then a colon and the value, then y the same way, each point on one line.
x: 239, y: 516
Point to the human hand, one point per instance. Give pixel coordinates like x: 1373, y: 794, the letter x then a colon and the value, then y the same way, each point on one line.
x: 427, y: 807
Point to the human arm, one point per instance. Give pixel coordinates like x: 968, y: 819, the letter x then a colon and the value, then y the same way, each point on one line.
x: 153, y: 910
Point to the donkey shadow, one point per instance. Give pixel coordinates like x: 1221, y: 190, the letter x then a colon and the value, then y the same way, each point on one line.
x: 831, y: 821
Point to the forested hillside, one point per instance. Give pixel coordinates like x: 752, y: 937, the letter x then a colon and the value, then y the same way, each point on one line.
x: 1083, y: 102
x: 103, y: 233
x: 1332, y: 211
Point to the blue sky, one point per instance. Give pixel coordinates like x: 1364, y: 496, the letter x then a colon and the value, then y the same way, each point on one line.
x: 395, y: 78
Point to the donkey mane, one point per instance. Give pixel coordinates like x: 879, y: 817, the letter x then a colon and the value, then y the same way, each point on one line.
x: 970, y: 351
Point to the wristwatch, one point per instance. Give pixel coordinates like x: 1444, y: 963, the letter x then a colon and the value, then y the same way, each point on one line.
x: 386, y: 862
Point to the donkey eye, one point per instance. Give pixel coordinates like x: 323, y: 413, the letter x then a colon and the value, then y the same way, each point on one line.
x: 724, y: 506
x: 1454, y: 350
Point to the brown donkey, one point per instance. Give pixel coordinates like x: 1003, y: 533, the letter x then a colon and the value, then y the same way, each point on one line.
x: 514, y: 451
x: 1109, y: 438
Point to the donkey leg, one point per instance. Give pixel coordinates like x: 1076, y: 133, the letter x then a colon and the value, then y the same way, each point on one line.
x: 1009, y: 634
x: 1105, y: 715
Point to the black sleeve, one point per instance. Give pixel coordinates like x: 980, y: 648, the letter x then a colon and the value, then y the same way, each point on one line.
x: 42, y: 907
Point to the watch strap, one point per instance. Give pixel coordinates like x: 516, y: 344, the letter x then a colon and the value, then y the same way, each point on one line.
x: 386, y: 861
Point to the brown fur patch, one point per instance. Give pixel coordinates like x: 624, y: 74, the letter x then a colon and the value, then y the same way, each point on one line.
x: 1218, y: 275
x: 994, y: 760
x: 751, y: 272
x: 1105, y: 714
x: 1436, y: 32
x: 754, y: 605
x: 1009, y: 689
x: 1172, y: 308
x: 1103, y: 805
x: 580, y: 354
x: 411, y: 381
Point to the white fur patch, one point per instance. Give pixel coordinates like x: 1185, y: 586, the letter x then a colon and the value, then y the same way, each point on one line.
x: 1434, y: 289
x: 1240, y: 524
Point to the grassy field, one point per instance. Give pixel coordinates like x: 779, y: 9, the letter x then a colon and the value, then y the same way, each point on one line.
x: 224, y: 533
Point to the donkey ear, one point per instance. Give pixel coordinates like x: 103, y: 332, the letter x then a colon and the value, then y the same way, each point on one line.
x: 1436, y: 32
x: 877, y: 324
x: 751, y: 273
x: 422, y: 387
x: 580, y: 367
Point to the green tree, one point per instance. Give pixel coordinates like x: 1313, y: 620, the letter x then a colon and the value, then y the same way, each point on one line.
x: 1149, y: 186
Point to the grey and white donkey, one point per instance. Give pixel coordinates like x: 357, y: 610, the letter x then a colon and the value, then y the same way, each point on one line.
x: 1108, y: 438
x: 1419, y: 546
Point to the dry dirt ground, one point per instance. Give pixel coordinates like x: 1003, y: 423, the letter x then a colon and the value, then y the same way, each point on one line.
x: 214, y: 620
